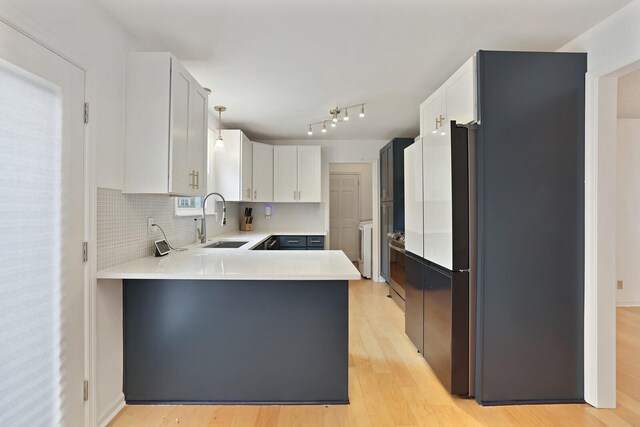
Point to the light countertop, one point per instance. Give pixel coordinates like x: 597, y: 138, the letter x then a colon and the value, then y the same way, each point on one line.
x: 199, y: 263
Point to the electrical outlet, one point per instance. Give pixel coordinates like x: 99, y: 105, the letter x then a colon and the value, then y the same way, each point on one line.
x: 150, y: 227
x: 619, y: 284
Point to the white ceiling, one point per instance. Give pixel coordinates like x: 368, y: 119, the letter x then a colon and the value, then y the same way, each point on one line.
x: 280, y: 64
x: 629, y: 96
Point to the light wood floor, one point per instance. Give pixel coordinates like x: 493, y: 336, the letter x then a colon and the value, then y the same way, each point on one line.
x: 390, y: 384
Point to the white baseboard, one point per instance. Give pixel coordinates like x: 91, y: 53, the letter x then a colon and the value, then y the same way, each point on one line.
x: 628, y: 304
x: 113, y: 410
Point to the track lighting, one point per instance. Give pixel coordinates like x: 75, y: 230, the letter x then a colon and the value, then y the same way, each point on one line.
x: 334, y: 117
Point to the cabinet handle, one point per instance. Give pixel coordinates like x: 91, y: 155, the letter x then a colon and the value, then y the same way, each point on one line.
x: 437, y: 123
x: 255, y: 194
x: 315, y: 241
x: 293, y: 241
x: 197, y: 179
x: 299, y: 196
x: 294, y: 194
x: 192, y: 176
x: 248, y: 193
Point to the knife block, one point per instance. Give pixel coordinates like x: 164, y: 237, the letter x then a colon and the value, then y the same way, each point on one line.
x: 246, y: 223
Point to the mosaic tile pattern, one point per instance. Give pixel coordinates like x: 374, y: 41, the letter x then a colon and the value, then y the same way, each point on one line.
x: 122, y: 225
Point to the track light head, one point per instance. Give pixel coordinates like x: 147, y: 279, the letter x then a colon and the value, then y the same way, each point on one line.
x: 310, y: 131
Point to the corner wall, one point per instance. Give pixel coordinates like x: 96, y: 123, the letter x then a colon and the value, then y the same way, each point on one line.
x: 628, y: 212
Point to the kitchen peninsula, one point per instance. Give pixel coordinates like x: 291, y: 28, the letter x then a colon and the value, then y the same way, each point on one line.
x: 236, y: 325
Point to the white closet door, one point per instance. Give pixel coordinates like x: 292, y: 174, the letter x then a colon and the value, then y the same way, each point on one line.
x: 42, y: 221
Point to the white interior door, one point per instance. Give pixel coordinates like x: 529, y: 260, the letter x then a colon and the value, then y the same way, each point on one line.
x: 41, y: 224
x: 344, y: 213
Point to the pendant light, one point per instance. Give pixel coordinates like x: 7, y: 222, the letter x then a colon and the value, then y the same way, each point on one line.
x: 219, y: 141
x: 324, y: 127
x: 362, y: 111
x: 310, y: 131
x: 346, y: 115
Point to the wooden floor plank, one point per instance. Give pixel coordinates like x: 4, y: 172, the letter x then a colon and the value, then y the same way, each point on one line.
x: 391, y: 385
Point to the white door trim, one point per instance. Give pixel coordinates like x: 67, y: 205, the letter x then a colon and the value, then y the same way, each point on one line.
x: 600, y: 231
x: 52, y: 43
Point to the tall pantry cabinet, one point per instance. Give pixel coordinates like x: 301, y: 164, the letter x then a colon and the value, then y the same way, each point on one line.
x: 391, y: 196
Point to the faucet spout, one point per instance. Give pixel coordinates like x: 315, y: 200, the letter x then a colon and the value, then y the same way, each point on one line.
x: 203, y: 229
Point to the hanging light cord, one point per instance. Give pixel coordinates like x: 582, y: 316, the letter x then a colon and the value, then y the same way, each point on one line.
x: 167, y: 240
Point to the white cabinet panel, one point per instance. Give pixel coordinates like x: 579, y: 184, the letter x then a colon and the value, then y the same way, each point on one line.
x: 246, y: 168
x: 285, y: 173
x: 227, y: 166
x: 262, y: 172
x: 179, y: 178
x: 198, y: 138
x: 413, y: 198
x: 309, y: 174
x: 431, y: 114
x: 460, y: 94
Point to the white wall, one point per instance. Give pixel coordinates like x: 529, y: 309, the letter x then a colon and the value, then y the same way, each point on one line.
x: 628, y: 212
x: 86, y: 29
x: 365, y: 188
x: 612, y: 46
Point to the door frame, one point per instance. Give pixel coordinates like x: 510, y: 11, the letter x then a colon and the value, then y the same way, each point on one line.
x: 359, y: 175
x: 31, y: 30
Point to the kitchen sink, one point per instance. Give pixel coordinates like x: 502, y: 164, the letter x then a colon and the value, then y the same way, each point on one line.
x: 226, y: 245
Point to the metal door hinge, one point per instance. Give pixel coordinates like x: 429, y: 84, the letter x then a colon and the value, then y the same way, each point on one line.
x: 86, y: 112
x: 85, y: 251
x: 85, y: 390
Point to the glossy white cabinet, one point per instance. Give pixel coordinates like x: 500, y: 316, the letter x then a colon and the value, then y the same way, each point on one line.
x: 262, y: 178
x: 165, y: 127
x: 297, y: 174
x: 413, y: 198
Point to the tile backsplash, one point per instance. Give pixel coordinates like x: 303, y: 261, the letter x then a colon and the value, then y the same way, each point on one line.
x: 122, y: 225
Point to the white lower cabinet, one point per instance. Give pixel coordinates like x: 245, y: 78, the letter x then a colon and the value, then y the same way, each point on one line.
x: 297, y: 174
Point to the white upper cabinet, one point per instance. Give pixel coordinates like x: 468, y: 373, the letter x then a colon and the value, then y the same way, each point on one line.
x: 297, y: 174
x: 285, y: 173
x: 232, y: 167
x: 455, y: 100
x: 243, y: 170
x: 413, y: 198
x: 460, y: 94
x: 165, y: 127
x: 309, y: 174
x: 262, y: 172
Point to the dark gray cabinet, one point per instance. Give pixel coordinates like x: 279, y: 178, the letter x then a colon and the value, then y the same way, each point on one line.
x: 301, y: 242
x: 391, y: 196
x: 415, y: 269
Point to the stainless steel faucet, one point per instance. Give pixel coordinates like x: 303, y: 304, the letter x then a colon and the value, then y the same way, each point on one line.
x: 202, y: 233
